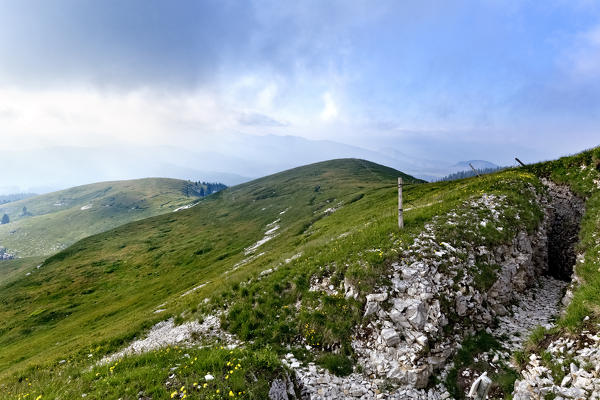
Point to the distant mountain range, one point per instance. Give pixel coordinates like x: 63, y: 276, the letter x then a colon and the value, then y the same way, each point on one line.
x: 44, y: 224
x: 231, y: 160
x: 7, y: 198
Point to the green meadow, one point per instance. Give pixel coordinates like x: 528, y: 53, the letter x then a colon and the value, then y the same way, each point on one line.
x: 336, y: 219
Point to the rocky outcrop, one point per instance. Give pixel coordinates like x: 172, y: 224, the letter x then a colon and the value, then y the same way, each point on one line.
x: 5, y: 255
x: 537, y: 306
x: 571, y: 370
x: 288, y: 388
x: 569, y: 366
x: 321, y: 384
x: 439, y: 293
x: 167, y: 333
x: 446, y: 288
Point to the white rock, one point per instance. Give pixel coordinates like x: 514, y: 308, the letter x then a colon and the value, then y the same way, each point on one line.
x: 377, y: 297
x: 390, y: 336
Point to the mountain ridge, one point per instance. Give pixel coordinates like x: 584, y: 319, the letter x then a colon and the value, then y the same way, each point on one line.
x: 43, y: 224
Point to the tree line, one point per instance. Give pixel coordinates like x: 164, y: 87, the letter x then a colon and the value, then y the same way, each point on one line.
x: 9, y: 198
x: 202, y: 189
x: 469, y: 173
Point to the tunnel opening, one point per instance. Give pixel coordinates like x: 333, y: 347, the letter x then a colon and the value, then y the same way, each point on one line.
x: 566, y: 210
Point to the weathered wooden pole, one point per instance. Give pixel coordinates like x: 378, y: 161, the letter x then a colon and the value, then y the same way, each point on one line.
x: 400, y: 211
x: 474, y: 170
x: 520, y: 162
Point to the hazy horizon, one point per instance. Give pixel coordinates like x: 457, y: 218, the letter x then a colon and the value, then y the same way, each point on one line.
x: 207, y: 90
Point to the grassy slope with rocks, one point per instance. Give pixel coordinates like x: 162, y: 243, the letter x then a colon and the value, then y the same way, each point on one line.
x: 334, y: 219
x: 581, y: 173
x: 53, y: 221
x: 11, y: 270
x: 581, y: 318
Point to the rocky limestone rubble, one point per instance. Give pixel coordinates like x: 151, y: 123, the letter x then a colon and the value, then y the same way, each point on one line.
x: 577, y: 359
x: 575, y: 282
x: 318, y: 383
x: 537, y: 306
x: 289, y: 387
x: 323, y: 285
x: 406, y: 339
x: 166, y: 333
x: 5, y: 255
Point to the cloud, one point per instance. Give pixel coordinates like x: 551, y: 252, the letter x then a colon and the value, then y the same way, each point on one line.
x: 84, y: 116
x: 8, y: 113
x: 190, y: 72
x: 583, y: 58
x: 330, y: 109
x: 256, y: 119
x: 267, y: 95
x: 121, y: 45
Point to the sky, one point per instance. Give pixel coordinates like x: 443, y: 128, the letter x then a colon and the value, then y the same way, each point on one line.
x: 419, y: 84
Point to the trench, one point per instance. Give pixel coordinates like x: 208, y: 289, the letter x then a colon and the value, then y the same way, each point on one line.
x: 565, y: 213
x: 555, y: 259
x: 541, y: 303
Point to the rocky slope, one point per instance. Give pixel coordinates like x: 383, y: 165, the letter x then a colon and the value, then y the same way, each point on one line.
x: 443, y: 289
x: 563, y: 362
x: 438, y: 295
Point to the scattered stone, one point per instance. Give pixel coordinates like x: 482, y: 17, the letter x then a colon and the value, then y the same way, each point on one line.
x: 480, y: 388
x: 166, y: 333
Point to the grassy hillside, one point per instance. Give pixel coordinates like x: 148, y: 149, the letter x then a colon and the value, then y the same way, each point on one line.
x: 14, y: 269
x: 336, y: 218
x: 94, y: 297
x: 45, y: 224
x: 107, y: 286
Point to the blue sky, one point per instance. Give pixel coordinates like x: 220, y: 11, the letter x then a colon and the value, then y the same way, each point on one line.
x: 433, y: 80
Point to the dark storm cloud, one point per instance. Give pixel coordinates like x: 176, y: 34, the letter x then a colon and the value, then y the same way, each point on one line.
x: 120, y: 43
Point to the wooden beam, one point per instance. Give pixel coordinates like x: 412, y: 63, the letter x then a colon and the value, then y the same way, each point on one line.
x: 474, y: 170
x: 400, y: 211
x: 520, y: 162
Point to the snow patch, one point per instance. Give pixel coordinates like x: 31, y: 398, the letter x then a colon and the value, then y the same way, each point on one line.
x: 192, y: 290
x: 255, y: 246
x: 185, y: 207
x: 270, y: 233
x: 245, y: 261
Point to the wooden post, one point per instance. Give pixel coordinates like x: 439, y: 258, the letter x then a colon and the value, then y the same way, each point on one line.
x: 400, y: 211
x: 474, y: 170
x: 520, y: 162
